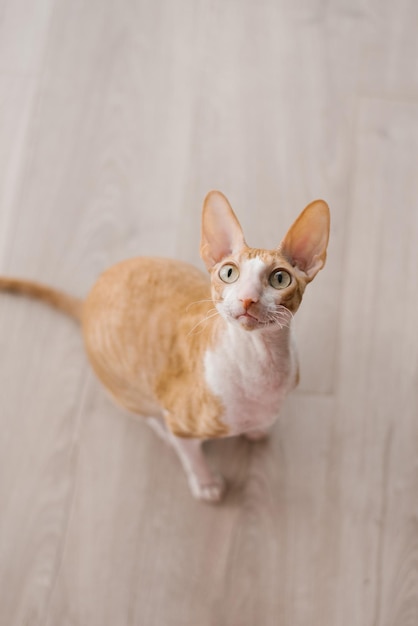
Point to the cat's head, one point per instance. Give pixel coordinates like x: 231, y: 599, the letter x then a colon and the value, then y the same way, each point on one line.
x: 261, y: 289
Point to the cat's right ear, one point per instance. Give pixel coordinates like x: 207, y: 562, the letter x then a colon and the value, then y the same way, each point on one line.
x: 221, y: 231
x: 305, y: 244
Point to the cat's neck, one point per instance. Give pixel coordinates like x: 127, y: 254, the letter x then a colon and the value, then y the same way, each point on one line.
x: 251, y: 371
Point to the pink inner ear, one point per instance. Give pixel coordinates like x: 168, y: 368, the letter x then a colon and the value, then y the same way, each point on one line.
x: 306, y: 241
x: 301, y: 253
x: 305, y: 254
x: 221, y: 231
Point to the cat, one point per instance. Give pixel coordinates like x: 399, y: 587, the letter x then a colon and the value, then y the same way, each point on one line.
x: 198, y: 358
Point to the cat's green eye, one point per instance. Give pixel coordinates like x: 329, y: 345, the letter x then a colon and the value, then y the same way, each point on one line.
x: 229, y: 273
x: 280, y: 279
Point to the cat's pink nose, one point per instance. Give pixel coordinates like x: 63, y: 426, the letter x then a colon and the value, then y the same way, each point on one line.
x: 247, y: 302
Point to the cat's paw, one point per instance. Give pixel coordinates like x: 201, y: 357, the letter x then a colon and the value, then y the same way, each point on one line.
x: 257, y: 435
x: 212, y: 491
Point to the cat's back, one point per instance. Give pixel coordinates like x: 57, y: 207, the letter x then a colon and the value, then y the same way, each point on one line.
x: 148, y: 281
x: 134, y: 315
x: 137, y: 295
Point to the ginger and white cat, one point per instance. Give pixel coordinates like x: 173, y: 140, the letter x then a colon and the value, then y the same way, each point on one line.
x: 201, y: 359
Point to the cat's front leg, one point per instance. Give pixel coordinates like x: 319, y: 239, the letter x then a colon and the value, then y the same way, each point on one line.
x: 158, y: 425
x: 204, y: 484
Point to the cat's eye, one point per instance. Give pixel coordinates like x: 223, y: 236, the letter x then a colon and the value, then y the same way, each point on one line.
x: 229, y: 273
x: 280, y: 279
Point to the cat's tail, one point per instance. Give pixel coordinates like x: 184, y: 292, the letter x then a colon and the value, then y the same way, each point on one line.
x: 59, y: 300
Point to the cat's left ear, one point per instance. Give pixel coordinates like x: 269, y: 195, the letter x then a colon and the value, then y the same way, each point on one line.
x: 305, y: 244
x: 221, y: 231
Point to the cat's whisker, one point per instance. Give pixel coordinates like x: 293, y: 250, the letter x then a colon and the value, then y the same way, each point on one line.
x: 197, y: 302
x: 205, y: 319
x: 276, y: 322
x: 283, y: 316
x: 284, y: 312
x: 280, y: 316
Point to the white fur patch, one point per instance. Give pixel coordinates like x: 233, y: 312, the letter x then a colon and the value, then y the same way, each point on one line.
x: 251, y: 372
x: 248, y: 286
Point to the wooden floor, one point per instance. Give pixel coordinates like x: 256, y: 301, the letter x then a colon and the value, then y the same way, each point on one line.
x: 116, y: 118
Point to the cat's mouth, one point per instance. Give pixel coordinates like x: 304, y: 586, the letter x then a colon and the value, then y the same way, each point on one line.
x: 253, y: 320
x: 250, y: 322
x: 248, y: 316
x: 278, y: 320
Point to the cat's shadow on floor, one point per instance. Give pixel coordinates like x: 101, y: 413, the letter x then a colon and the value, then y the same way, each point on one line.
x: 251, y: 469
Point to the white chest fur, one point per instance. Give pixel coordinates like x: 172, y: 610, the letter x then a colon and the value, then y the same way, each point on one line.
x: 251, y: 372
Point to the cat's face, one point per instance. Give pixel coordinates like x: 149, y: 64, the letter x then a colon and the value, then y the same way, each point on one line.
x: 261, y: 289
x: 257, y: 289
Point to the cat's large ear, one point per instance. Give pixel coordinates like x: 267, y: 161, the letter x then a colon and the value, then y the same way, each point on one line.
x: 221, y: 231
x: 305, y: 244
